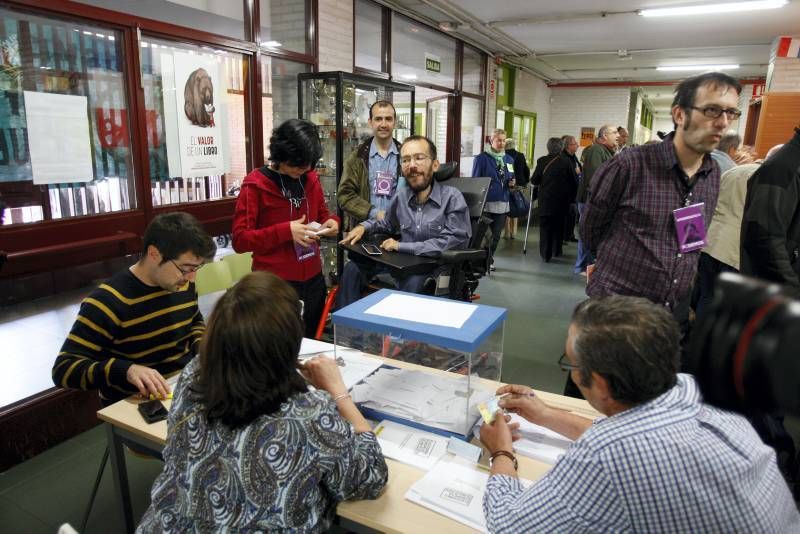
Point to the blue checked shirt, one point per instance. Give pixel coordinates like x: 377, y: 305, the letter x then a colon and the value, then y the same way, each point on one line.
x: 670, y: 465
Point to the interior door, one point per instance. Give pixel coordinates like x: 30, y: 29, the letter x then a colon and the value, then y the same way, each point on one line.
x: 436, y: 123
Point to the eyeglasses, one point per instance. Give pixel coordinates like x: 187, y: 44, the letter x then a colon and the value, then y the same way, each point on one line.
x: 714, y: 112
x: 565, y: 365
x: 418, y: 158
x: 186, y: 272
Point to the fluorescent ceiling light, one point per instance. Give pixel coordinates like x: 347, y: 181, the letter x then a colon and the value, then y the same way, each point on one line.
x: 728, y: 7
x: 408, y: 76
x: 271, y: 44
x: 697, y: 67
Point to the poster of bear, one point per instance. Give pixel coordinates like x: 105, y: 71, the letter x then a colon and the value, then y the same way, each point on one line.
x: 199, y: 102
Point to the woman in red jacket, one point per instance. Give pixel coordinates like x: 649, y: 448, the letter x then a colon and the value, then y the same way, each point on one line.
x: 276, y: 213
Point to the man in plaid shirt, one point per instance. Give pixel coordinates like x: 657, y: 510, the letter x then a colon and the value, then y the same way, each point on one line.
x: 660, y: 461
x: 628, y: 220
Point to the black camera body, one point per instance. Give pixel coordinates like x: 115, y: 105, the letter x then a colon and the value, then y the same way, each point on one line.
x: 745, y: 352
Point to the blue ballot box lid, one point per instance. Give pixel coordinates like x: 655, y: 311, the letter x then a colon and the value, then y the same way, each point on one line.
x: 482, y: 321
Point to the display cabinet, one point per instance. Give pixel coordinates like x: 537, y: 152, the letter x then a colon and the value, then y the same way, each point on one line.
x: 456, y: 349
x: 338, y: 104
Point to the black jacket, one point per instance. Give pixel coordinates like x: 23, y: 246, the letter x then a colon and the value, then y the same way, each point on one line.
x: 555, y: 176
x: 770, y: 246
x: 522, y: 172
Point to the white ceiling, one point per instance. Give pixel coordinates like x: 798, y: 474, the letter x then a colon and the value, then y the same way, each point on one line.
x: 571, y: 40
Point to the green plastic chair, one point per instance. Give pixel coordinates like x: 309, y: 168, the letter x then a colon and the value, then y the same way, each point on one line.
x: 214, y: 276
x: 239, y: 264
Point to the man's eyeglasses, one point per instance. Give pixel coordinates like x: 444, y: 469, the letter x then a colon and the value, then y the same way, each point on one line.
x: 565, y: 365
x: 417, y: 158
x: 190, y: 270
x: 714, y: 112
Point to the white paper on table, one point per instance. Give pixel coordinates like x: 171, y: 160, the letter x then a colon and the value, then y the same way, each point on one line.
x: 312, y: 346
x: 356, y: 366
x: 536, y: 441
x: 455, y: 488
x: 58, y: 138
x: 410, y: 445
x: 436, y: 312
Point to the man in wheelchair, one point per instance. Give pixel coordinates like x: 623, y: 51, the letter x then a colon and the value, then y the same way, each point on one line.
x: 429, y: 216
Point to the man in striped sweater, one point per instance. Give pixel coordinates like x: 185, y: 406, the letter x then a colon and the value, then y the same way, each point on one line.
x: 143, y: 322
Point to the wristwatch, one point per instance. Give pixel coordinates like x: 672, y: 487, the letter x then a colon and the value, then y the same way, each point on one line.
x: 507, y: 454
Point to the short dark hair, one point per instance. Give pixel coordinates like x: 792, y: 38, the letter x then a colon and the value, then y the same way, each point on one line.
x: 686, y: 91
x: 630, y: 342
x: 248, y: 359
x: 296, y: 143
x: 431, y: 146
x: 554, y: 145
x: 728, y: 141
x: 176, y: 233
x: 382, y: 104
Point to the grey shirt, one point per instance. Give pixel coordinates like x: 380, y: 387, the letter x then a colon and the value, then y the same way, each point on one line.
x: 441, y: 223
x: 723, y: 160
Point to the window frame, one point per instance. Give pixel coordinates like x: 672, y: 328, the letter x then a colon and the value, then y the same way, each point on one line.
x: 45, y: 245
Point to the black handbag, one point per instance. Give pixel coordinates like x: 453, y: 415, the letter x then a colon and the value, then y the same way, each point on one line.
x: 518, y: 205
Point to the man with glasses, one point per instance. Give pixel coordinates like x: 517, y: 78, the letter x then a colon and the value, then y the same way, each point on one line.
x: 643, y: 202
x: 430, y: 217
x: 142, y: 323
x: 660, y: 461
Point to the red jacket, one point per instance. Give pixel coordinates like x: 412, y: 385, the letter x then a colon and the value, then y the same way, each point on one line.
x: 261, y: 225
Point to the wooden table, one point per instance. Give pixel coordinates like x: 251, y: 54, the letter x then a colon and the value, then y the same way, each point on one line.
x: 389, y: 513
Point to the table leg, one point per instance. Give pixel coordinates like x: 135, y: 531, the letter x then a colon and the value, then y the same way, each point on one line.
x: 120, y: 471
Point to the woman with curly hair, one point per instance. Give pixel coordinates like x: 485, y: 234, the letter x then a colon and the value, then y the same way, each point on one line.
x: 276, y: 211
x: 249, y: 447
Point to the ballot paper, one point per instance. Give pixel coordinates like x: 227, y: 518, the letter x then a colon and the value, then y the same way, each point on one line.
x: 536, y: 441
x: 312, y: 346
x: 455, y: 489
x: 354, y: 365
x: 436, y: 312
x: 432, y: 400
x: 410, y: 445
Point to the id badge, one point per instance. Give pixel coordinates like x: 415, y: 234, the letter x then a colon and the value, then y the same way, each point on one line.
x: 306, y: 253
x: 690, y: 228
x: 385, y: 184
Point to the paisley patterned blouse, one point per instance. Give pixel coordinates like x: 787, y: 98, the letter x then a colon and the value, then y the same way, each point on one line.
x: 283, y: 472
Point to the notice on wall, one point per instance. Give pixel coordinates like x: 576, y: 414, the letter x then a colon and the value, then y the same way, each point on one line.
x: 199, y: 115
x: 58, y: 137
x: 587, y: 136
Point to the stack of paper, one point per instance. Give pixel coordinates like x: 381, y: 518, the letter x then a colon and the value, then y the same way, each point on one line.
x: 410, y: 445
x: 354, y: 368
x: 425, y: 398
x: 536, y: 441
x: 455, y: 488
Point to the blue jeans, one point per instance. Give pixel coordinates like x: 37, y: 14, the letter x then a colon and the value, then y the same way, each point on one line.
x: 584, y: 256
x: 356, y: 276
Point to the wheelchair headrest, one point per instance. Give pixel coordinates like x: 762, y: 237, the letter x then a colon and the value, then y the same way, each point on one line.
x: 446, y: 171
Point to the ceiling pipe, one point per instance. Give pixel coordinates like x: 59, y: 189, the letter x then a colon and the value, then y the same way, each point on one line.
x: 558, y: 19
x: 643, y: 50
x: 741, y: 65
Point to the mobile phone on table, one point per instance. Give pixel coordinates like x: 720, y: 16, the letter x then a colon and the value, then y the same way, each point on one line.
x: 372, y: 250
x: 153, y: 411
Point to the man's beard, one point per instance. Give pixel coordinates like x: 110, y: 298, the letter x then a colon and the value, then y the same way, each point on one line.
x: 423, y: 185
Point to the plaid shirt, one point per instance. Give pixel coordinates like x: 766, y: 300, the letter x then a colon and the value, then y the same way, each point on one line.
x: 628, y: 223
x: 670, y: 465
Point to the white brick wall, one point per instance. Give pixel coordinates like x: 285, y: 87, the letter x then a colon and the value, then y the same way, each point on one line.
x: 336, y: 35
x: 785, y: 75
x: 572, y: 108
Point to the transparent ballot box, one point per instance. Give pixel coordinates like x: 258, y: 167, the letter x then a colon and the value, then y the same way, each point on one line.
x: 441, y: 358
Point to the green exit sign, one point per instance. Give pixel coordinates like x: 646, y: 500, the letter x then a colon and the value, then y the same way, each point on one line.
x: 432, y: 63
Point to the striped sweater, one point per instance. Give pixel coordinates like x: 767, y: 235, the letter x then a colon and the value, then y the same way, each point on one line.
x: 123, y: 322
